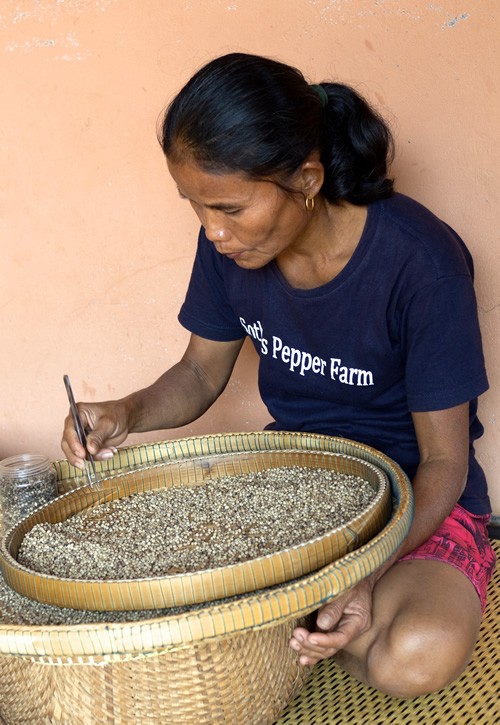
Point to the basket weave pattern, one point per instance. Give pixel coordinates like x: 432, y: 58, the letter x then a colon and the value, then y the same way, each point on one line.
x: 186, y: 685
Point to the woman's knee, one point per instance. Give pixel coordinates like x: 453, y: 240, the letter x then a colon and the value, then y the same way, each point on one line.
x: 408, y: 661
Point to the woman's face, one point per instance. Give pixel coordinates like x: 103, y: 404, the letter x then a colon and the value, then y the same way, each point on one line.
x: 251, y: 222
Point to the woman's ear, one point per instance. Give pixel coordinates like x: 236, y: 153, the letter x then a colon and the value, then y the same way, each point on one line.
x: 311, y: 175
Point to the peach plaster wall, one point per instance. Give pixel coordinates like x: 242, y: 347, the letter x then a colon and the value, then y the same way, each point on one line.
x: 96, y: 248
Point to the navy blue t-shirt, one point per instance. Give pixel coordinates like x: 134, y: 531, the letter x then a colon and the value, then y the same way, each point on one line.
x: 395, y: 331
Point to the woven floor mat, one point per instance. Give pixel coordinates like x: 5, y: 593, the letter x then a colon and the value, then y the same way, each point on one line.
x: 331, y: 697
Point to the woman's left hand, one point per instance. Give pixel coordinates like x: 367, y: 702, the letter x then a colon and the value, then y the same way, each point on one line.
x: 338, y: 623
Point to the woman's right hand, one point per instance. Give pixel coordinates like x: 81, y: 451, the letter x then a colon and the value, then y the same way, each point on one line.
x: 106, y: 425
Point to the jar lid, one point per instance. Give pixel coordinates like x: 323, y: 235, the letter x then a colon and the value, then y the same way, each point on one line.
x: 24, y: 464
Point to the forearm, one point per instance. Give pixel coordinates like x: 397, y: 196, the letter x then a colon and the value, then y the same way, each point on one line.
x: 443, y: 441
x: 178, y: 397
x: 182, y: 394
x: 185, y: 391
x: 437, y: 486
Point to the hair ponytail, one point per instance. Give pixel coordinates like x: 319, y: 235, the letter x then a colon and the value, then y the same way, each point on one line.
x: 357, y: 149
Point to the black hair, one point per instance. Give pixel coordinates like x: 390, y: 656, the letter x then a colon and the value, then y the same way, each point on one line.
x: 246, y: 113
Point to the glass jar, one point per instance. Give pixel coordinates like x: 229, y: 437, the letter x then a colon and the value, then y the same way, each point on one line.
x: 27, y: 481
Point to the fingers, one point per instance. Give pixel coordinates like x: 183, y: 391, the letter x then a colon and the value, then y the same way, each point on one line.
x: 315, y: 646
x: 330, y: 614
x: 339, y: 622
x: 108, y: 426
x: 106, y: 430
x: 96, y: 443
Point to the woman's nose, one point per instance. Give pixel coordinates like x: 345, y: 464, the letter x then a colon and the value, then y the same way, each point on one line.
x: 215, y: 229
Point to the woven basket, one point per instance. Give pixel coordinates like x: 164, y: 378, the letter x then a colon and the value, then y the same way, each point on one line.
x: 221, y: 663
x: 201, y: 586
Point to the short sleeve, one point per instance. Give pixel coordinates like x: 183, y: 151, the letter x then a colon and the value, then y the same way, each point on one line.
x: 206, y: 311
x: 444, y: 356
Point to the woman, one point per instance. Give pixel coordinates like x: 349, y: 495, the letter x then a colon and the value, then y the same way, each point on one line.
x: 361, y: 307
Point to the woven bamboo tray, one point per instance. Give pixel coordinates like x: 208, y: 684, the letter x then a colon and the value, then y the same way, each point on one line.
x: 201, y: 586
x: 221, y: 663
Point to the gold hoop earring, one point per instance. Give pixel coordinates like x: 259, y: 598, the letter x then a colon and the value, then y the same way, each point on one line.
x: 310, y: 203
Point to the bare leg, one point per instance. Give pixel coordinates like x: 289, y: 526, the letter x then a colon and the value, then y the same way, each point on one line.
x: 426, y: 618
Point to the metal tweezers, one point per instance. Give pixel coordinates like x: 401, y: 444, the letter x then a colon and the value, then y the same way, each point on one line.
x: 90, y: 468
